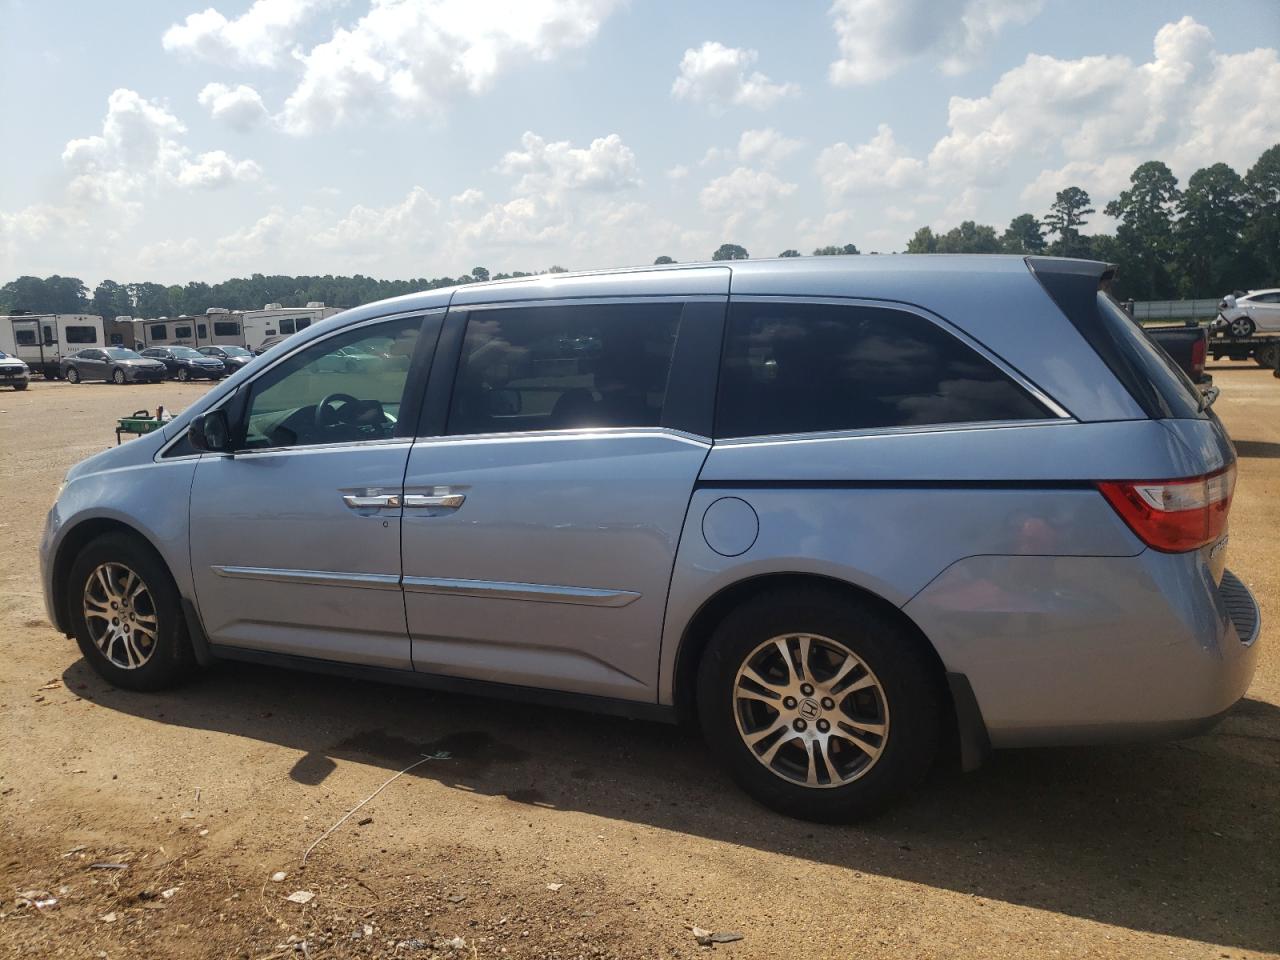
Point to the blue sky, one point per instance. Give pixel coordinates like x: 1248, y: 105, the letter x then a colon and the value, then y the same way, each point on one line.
x: 423, y: 137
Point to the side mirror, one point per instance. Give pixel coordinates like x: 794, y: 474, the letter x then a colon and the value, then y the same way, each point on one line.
x: 210, y: 431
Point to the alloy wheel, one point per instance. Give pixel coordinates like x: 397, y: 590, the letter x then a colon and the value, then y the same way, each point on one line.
x: 121, y: 615
x: 118, y: 376
x: 183, y: 375
x: 73, y: 375
x: 1241, y: 327
x: 810, y: 710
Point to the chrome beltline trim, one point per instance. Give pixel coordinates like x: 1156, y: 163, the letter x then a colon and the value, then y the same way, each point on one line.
x: 484, y: 589
x: 367, y: 581
x: 493, y: 590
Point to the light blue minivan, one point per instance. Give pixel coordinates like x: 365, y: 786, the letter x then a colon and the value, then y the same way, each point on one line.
x: 848, y: 513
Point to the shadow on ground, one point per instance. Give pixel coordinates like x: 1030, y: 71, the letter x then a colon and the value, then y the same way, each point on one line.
x: 1181, y: 839
x: 1262, y: 449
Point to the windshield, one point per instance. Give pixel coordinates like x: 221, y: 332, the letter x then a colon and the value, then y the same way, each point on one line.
x: 122, y: 353
x: 186, y: 353
x: 236, y: 352
x: 3, y: 355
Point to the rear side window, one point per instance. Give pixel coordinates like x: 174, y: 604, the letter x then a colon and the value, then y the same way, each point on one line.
x: 810, y: 367
x: 564, y: 367
x: 1167, y: 388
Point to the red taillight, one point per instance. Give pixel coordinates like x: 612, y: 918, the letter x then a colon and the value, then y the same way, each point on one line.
x: 1174, y: 515
x: 1197, y: 358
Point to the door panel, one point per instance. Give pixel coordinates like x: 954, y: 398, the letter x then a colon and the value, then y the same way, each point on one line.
x: 295, y: 540
x: 554, y: 569
x: 281, y: 562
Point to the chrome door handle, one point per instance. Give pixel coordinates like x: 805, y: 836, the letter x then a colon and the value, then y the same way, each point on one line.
x: 358, y: 501
x: 450, y: 501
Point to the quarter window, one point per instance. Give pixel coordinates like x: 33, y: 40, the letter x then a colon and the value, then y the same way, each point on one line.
x: 808, y: 367
x: 564, y: 367
x: 344, y: 389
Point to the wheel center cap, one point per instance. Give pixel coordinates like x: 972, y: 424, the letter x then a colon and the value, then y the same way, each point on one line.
x: 809, y: 709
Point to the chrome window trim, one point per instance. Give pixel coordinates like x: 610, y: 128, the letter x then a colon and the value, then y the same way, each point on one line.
x: 591, y: 301
x: 869, y: 432
x: 572, y: 433
x: 229, y: 391
x: 538, y: 592
x: 942, y: 323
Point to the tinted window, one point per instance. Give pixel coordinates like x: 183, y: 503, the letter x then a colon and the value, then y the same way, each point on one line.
x: 24, y: 337
x: 303, y: 323
x: 184, y: 331
x: 286, y: 325
x: 804, y: 368
x: 81, y: 335
x: 159, y: 331
x: 49, y: 338
x: 1168, y: 390
x: 202, y: 331
x: 225, y: 328
x: 343, y: 389
x: 567, y: 367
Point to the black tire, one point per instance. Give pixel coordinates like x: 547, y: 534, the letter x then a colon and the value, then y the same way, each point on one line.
x: 171, y: 658
x: 118, y: 377
x: 19, y: 386
x: 183, y: 375
x: 73, y: 375
x: 1242, y: 327
x: 907, y: 675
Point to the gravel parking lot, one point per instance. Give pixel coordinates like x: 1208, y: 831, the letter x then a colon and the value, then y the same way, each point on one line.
x: 553, y: 834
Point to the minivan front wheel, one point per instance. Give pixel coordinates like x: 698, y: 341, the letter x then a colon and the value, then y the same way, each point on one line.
x: 126, y: 615
x: 824, y: 708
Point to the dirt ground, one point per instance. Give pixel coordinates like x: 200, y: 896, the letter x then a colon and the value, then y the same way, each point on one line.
x: 553, y: 834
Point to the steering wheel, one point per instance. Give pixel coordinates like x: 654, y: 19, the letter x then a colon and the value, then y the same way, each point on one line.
x: 326, y: 415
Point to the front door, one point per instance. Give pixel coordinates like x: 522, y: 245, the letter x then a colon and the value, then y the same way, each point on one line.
x: 295, y: 539
x: 540, y: 528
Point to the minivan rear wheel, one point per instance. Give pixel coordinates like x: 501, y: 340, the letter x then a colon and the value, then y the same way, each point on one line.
x: 124, y: 609
x: 823, y: 707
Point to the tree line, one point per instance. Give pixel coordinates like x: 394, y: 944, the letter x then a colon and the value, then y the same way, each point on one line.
x: 1219, y: 233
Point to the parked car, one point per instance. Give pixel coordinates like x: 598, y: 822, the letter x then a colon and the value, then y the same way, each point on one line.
x: 233, y: 358
x: 116, y: 364
x: 13, y: 372
x: 858, y: 510
x: 185, y: 363
x: 1243, y: 314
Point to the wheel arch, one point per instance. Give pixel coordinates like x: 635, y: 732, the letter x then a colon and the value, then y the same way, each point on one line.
x: 70, y: 546
x: 967, y: 731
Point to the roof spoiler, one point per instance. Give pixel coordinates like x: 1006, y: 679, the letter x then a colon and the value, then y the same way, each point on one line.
x: 1097, y: 270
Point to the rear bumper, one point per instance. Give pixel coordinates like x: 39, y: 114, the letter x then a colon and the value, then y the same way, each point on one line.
x: 1074, y: 650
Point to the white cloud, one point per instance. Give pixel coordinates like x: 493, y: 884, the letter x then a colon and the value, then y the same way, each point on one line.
x: 767, y: 147
x: 876, y: 165
x: 240, y: 106
x: 551, y: 169
x: 744, y: 189
x: 678, y: 172
x: 419, y: 55
x: 260, y: 37
x: 1188, y: 105
x: 877, y: 38
x: 137, y: 150
x: 719, y: 76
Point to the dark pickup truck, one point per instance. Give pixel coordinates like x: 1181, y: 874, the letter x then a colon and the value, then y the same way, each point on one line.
x: 1187, y: 345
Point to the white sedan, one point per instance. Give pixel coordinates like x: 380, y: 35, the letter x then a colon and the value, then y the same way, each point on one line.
x: 1257, y: 310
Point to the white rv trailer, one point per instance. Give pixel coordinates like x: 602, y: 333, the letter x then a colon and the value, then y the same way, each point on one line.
x: 218, y: 326
x: 43, y: 339
x: 274, y: 319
